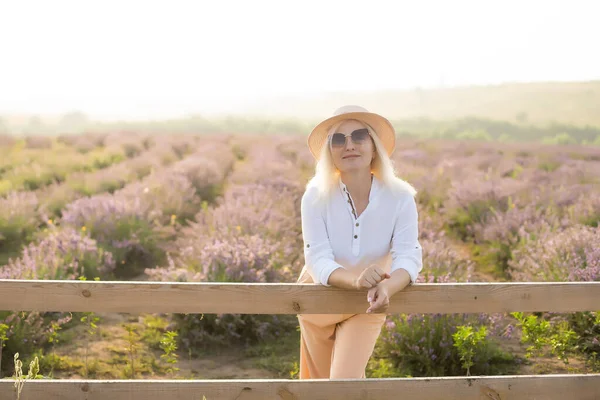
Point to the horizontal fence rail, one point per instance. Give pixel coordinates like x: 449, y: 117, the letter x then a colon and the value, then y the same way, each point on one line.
x: 291, y: 298
x: 526, y: 387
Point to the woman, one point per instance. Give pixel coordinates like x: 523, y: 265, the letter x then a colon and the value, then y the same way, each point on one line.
x: 360, y: 232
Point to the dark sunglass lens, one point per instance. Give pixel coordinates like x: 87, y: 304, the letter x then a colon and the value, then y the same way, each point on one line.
x: 338, y: 139
x: 360, y: 135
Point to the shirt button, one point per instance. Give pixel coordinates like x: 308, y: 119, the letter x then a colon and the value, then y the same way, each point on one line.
x: 355, y: 236
x: 357, y: 224
x: 308, y: 245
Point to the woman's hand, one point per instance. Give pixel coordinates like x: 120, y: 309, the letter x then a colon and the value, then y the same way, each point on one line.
x: 370, y: 277
x: 379, y: 299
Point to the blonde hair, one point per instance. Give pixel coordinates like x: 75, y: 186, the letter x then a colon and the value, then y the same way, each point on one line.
x: 382, y: 167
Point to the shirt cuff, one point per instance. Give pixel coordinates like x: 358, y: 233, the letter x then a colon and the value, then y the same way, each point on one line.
x: 326, y: 271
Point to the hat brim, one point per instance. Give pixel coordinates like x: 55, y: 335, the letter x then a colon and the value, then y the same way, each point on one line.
x: 382, y: 127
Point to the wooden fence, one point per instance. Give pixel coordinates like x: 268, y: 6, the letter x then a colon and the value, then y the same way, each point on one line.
x: 161, y: 297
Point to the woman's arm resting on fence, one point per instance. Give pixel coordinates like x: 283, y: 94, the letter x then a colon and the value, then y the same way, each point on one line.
x: 399, y: 279
x: 406, y: 250
x: 343, y: 278
x: 318, y: 254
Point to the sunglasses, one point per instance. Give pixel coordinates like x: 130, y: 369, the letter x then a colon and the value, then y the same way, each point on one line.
x: 358, y: 137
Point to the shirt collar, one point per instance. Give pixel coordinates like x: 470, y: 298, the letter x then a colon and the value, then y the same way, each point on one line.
x: 375, y: 186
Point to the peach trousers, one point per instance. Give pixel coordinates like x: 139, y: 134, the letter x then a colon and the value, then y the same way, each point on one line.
x: 336, y: 346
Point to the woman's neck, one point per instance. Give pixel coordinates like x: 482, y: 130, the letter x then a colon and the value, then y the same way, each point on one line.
x: 358, y: 183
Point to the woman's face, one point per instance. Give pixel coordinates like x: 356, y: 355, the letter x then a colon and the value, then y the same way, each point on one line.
x: 352, y: 155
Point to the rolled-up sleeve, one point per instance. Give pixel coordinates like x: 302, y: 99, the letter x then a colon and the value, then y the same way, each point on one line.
x: 405, y: 247
x: 318, y: 255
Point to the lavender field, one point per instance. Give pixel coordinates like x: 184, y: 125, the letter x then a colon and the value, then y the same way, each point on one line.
x: 201, y: 208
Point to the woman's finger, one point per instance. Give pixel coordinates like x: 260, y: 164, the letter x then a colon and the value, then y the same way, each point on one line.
x: 378, y: 278
x: 376, y: 306
x: 372, y: 295
x: 383, y: 275
x: 365, y: 283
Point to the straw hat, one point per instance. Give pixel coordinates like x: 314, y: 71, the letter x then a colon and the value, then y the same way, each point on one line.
x: 382, y: 127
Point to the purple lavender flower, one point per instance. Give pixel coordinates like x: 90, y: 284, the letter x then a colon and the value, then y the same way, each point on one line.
x: 62, y: 254
x: 19, y: 216
x: 569, y: 255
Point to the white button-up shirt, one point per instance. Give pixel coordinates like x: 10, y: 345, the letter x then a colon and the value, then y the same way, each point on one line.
x: 385, y: 234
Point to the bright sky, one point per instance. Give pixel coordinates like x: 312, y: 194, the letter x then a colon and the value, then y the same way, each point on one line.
x: 137, y: 59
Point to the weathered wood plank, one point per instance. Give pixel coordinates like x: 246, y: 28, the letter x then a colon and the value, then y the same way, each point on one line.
x: 530, y: 387
x: 249, y: 298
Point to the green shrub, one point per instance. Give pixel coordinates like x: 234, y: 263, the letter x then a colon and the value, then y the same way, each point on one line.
x: 424, y: 345
x: 469, y: 343
x: 586, y: 326
x: 26, y: 334
x: 542, y: 336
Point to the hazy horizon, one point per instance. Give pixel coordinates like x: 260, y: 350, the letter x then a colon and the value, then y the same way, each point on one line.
x: 156, y: 60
